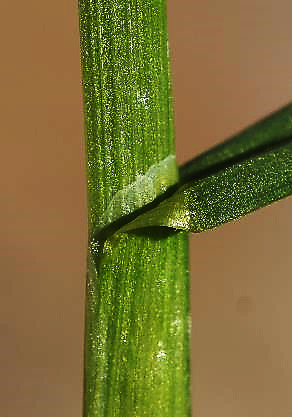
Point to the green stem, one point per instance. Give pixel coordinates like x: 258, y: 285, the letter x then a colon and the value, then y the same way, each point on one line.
x: 137, y: 314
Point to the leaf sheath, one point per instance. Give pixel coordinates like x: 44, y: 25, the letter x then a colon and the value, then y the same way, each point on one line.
x: 137, y: 309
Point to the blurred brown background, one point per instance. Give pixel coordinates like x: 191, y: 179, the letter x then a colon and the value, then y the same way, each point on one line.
x: 232, y: 64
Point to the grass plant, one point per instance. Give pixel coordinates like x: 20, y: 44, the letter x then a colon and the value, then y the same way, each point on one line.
x: 141, y: 207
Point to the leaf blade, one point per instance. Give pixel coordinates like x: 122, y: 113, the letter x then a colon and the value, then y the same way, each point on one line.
x: 255, y: 139
x: 239, y: 189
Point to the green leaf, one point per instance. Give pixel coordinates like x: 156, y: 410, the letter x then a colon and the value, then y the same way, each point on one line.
x: 268, y: 132
x: 248, y: 172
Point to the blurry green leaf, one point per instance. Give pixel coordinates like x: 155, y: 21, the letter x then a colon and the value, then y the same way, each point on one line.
x: 257, y: 138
